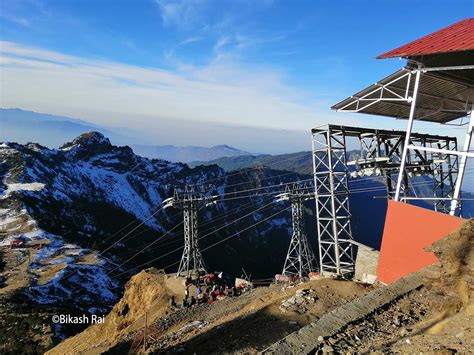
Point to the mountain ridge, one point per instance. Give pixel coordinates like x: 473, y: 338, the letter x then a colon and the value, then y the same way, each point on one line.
x: 186, y: 154
x: 24, y: 126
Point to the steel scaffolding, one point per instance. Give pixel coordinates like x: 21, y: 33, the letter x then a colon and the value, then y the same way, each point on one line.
x: 332, y: 201
x: 300, y: 259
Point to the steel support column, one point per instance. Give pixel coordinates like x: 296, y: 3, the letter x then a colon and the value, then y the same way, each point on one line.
x: 192, y: 259
x: 402, y: 173
x: 462, y: 164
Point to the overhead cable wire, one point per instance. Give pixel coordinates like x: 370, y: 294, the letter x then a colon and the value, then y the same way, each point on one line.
x: 235, y: 234
x: 146, y: 247
x: 204, y: 236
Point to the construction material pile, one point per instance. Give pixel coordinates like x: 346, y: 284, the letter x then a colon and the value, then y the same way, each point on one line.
x: 300, y: 302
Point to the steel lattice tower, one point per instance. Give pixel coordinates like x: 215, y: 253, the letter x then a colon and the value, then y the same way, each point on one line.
x: 190, y: 202
x: 332, y: 202
x: 300, y: 259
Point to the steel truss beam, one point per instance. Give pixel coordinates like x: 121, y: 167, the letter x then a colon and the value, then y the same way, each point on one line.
x: 432, y: 157
x: 300, y: 259
x: 190, y: 202
x: 380, y: 154
x: 332, y: 202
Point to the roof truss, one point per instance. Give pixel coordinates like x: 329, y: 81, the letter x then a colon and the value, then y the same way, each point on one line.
x: 440, y: 99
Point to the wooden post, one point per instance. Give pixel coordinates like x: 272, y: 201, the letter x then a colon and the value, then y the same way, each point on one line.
x: 144, y: 335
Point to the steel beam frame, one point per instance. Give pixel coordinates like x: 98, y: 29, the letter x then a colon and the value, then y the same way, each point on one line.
x: 332, y: 202
x: 381, y: 154
x: 399, y: 89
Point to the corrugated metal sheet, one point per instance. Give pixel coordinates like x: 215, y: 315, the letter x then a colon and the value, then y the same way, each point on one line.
x: 439, y: 98
x: 457, y: 37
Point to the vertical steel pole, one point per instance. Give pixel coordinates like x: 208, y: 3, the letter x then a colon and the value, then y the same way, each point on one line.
x: 462, y: 165
x: 408, y: 134
x: 335, y: 230
x: 300, y: 244
x: 316, y: 200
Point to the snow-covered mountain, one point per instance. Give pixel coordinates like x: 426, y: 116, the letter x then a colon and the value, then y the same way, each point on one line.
x: 73, y: 198
x: 67, y: 208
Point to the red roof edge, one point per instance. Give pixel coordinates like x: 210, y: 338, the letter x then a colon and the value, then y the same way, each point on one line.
x: 456, y: 37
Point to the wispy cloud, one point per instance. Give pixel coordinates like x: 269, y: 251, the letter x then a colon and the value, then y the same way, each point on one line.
x: 190, y: 40
x: 221, y: 42
x: 16, y: 19
x: 204, y: 101
x: 182, y: 13
x: 221, y: 92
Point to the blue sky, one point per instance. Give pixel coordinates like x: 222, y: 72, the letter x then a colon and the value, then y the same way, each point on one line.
x: 214, y: 67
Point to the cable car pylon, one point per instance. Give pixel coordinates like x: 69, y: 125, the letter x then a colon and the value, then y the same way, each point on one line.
x: 190, y: 202
x: 300, y: 259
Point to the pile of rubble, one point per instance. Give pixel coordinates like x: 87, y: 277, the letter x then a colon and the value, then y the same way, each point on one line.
x: 386, y: 325
x: 300, y: 302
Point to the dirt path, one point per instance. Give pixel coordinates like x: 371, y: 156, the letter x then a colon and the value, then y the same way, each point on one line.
x: 251, y: 322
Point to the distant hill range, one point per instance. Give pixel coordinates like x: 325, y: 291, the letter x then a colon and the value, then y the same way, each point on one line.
x: 300, y: 162
x: 21, y: 126
x: 189, y: 153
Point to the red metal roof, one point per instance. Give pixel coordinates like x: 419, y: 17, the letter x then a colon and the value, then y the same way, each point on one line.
x: 457, y: 37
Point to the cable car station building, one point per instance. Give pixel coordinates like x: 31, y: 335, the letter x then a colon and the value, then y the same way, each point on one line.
x: 436, y: 85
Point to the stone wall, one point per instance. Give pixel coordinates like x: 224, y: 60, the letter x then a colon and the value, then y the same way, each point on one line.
x: 366, y: 264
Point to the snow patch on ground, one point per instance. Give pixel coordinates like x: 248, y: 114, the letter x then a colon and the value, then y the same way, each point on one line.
x: 86, y: 284
x: 32, y: 186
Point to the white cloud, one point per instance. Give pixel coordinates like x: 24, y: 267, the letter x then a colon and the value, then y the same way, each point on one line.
x: 225, y: 101
x: 181, y: 13
x: 15, y: 19
x: 223, y: 92
x: 190, y: 40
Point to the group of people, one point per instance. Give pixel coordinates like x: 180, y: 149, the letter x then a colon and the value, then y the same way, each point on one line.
x: 209, y: 288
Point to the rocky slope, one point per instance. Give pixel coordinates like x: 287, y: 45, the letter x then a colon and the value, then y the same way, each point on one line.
x: 438, y: 317
x: 67, y: 207
x: 247, y: 323
x: 433, y: 314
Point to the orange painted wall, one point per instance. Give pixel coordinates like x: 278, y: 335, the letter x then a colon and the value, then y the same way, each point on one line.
x: 408, y: 230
